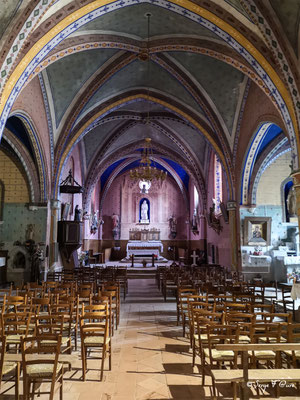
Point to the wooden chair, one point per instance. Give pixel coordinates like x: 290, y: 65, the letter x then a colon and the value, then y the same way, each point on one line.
x: 8, y: 368
x: 121, y: 278
x: 286, y: 301
x: 114, y: 292
x: 74, y: 302
x: 265, y: 333
x: 194, y: 306
x: 94, y: 333
x: 49, y: 325
x: 38, y: 369
x: 182, y: 305
x: 15, y: 326
x: 101, y: 299
x: 201, y: 319
x: 217, y: 334
x: 293, y: 337
x: 69, y: 326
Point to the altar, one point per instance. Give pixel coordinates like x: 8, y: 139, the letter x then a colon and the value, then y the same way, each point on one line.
x: 140, y: 248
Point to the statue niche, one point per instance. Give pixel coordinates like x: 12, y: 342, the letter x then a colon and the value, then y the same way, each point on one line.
x: 144, y: 211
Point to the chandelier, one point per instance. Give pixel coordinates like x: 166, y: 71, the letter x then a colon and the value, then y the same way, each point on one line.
x: 146, y: 172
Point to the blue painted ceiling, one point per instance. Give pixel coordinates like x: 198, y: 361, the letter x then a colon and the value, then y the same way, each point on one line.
x: 135, y: 164
x: 272, y: 133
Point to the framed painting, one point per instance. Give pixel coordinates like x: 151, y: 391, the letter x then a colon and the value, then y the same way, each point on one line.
x: 257, y: 231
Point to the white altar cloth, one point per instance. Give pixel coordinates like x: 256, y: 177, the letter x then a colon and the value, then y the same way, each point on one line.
x: 295, y: 293
x: 139, y: 248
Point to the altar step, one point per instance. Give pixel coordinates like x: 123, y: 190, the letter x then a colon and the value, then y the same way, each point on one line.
x: 141, y: 273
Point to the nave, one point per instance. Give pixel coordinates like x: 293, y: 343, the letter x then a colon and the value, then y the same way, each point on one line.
x: 151, y: 359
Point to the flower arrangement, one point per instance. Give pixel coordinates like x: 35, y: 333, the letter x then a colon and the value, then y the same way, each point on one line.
x: 293, y: 276
x: 82, y: 257
x: 257, y: 251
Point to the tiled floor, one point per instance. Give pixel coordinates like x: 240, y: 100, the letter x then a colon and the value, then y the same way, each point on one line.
x: 151, y: 359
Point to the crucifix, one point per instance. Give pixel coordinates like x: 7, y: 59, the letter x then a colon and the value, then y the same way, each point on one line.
x: 194, y: 257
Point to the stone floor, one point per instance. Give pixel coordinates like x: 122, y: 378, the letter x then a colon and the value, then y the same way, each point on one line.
x: 151, y: 359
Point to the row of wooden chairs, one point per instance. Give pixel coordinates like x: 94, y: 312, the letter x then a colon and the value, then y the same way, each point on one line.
x: 47, y: 337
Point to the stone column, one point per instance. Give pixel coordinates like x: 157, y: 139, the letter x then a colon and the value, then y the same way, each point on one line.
x: 86, y: 229
x: 55, y: 215
x: 231, y: 208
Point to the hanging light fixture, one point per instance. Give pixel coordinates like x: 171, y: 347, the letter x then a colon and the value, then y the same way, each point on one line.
x: 146, y: 173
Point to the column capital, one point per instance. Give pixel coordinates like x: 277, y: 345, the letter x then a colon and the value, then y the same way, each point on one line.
x: 231, y: 205
x: 55, y: 204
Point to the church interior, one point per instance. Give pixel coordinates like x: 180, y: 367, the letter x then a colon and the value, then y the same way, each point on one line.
x: 154, y: 145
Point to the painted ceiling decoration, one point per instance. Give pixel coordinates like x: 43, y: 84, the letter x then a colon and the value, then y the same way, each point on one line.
x: 205, y: 60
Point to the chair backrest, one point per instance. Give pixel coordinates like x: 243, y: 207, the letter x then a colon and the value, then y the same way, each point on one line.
x: 48, y: 325
x: 33, y: 346
x: 233, y: 317
x: 12, y: 302
x: 94, y: 321
x: 266, y: 332
x: 40, y: 304
x: 277, y: 317
x: 15, y: 323
x: 294, y: 333
x: 220, y: 333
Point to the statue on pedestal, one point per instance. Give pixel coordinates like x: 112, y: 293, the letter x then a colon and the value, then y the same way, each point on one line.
x: 77, y: 213
x: 173, y: 226
x: 144, y: 212
x: 116, y: 227
x: 94, y: 222
x: 292, y: 203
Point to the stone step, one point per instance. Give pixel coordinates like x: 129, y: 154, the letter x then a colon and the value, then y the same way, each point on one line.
x: 141, y: 273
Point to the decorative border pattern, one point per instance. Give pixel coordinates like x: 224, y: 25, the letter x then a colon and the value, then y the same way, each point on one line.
x: 48, y: 114
x: 218, y: 184
x: 37, y: 151
x: 27, y: 28
x: 187, y: 9
x: 250, y: 159
x: 240, y: 118
x: 269, y: 35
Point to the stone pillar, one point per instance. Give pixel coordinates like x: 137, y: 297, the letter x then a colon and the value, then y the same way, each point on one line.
x: 296, y: 181
x: 55, y: 214
x: 86, y: 230
x: 231, y: 208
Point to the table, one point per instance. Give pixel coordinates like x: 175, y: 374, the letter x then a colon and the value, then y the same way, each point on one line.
x: 143, y: 249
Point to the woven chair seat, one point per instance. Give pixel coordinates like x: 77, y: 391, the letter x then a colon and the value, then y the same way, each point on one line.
x: 95, y: 340
x: 265, y: 354
x: 222, y: 355
x: 8, y: 367
x: 42, y: 370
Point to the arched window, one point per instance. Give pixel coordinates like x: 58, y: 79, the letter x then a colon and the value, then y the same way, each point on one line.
x: 196, y: 198
x: 218, y: 184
